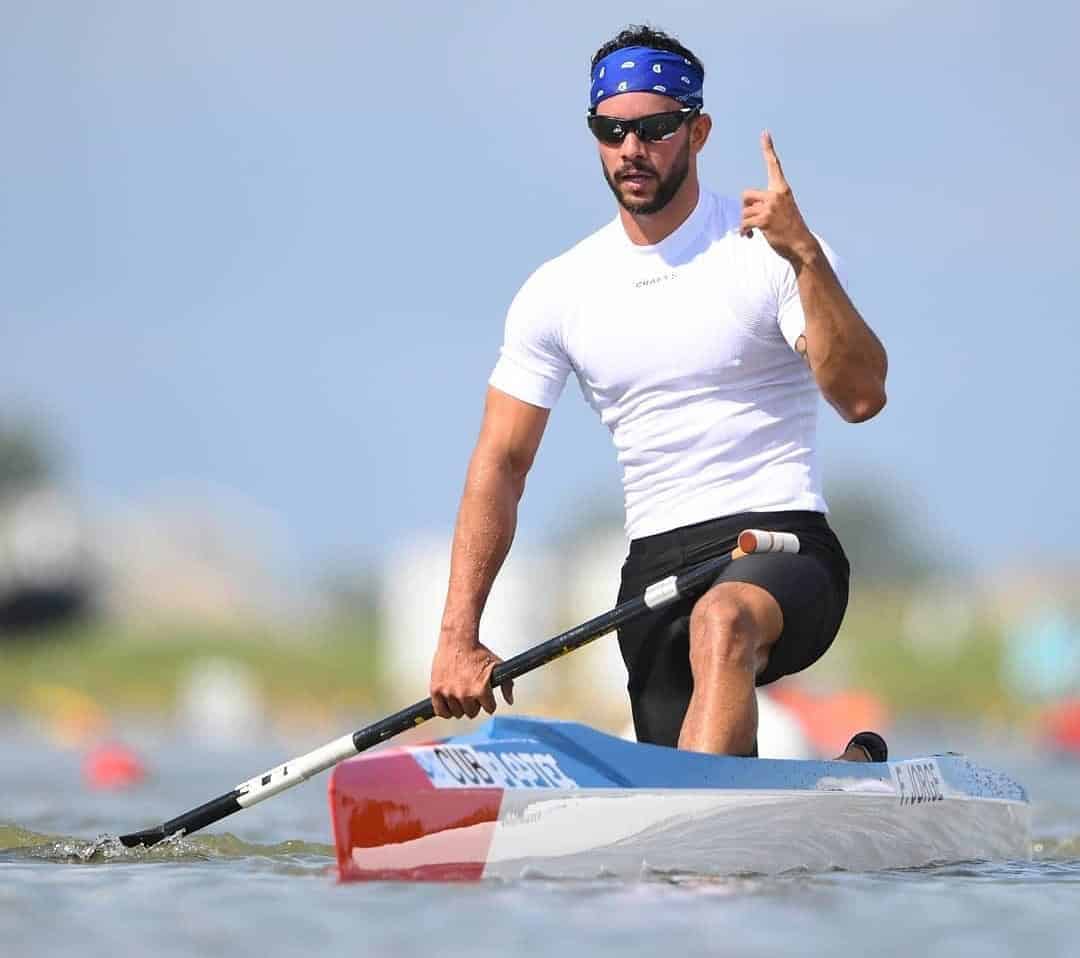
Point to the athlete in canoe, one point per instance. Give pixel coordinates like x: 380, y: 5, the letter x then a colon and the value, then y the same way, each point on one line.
x: 701, y: 329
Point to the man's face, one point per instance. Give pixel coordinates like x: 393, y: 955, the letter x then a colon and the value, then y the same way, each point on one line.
x: 644, y: 176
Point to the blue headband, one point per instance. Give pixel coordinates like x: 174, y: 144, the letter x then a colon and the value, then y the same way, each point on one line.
x: 643, y: 69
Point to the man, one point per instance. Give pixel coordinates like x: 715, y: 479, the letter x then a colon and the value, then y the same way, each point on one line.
x: 701, y: 330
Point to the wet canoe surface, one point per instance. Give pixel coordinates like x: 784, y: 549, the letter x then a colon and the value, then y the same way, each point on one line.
x: 533, y: 798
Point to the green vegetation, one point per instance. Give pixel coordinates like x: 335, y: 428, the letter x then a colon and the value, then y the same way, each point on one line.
x: 959, y: 678
x: 120, y: 669
x: 312, y: 677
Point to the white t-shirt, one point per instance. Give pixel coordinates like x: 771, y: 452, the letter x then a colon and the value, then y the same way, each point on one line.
x: 686, y: 351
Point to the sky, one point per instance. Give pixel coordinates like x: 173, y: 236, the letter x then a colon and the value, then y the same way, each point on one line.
x: 267, y: 248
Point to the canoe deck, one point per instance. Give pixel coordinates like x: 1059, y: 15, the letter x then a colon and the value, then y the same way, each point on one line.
x: 535, y: 798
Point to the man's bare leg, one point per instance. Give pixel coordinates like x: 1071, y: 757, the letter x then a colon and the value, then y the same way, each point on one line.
x: 732, y: 628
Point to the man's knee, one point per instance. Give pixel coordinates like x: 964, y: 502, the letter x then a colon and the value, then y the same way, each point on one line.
x: 731, y: 626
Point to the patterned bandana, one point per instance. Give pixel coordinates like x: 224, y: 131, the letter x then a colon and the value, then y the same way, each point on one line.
x: 643, y: 69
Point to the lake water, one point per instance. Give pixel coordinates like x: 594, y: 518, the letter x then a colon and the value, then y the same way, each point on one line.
x: 268, y: 888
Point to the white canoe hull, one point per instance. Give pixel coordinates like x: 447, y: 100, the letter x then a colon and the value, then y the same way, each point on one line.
x: 744, y: 833
x: 538, y: 799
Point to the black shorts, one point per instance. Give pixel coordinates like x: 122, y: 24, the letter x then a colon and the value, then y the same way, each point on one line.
x: 810, y: 586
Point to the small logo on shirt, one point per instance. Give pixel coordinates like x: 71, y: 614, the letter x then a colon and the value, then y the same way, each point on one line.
x: 654, y: 280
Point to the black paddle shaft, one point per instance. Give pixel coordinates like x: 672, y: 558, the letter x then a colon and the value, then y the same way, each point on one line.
x: 659, y: 594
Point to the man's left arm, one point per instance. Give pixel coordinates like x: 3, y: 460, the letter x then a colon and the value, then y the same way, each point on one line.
x: 846, y: 358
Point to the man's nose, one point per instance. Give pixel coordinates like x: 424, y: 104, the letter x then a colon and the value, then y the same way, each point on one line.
x: 632, y: 147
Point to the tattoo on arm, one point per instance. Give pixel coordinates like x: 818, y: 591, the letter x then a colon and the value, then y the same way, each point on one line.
x: 800, y: 348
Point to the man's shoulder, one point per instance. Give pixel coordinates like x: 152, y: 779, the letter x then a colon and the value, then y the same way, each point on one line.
x: 587, y: 251
x: 558, y: 276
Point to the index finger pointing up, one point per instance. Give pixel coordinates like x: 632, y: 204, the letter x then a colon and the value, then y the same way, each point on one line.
x: 772, y: 163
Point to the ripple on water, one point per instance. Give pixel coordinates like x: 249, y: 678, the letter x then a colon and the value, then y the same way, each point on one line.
x: 1055, y: 859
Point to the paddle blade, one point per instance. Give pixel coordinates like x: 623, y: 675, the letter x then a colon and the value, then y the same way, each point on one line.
x: 189, y: 822
x: 145, y: 838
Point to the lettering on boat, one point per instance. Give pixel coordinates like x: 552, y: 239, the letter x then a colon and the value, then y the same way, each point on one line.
x: 462, y: 766
x: 918, y: 782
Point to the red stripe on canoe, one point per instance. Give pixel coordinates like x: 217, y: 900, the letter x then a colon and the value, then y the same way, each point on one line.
x: 390, y: 822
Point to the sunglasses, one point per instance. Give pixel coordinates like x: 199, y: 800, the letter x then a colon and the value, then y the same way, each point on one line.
x: 652, y: 128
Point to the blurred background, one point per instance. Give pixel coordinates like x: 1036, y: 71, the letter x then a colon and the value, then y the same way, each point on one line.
x: 254, y: 264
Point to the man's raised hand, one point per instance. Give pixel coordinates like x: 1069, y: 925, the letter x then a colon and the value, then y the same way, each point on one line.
x: 774, y: 212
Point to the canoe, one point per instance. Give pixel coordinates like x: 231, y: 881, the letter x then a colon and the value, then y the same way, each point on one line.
x: 526, y: 797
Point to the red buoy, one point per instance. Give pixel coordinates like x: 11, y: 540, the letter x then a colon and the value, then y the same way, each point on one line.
x: 112, y: 766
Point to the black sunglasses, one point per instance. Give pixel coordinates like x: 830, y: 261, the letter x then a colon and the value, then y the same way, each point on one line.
x: 652, y: 128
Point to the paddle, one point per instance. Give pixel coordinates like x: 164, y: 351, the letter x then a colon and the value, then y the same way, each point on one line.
x: 302, y: 768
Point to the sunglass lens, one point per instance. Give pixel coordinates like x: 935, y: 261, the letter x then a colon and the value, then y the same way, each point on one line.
x: 659, y: 126
x: 607, y: 129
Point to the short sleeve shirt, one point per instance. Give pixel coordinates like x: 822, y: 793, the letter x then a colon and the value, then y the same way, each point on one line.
x: 686, y: 351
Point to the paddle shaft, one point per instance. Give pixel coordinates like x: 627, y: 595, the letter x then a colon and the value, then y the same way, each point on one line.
x: 299, y: 769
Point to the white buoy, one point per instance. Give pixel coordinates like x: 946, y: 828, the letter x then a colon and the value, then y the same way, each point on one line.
x: 780, y: 734
x: 519, y: 613
x: 219, y: 704
x: 598, y: 672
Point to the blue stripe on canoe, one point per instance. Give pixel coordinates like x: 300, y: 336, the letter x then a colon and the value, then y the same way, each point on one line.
x: 596, y: 760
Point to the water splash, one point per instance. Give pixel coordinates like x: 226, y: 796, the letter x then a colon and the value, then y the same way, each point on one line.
x: 18, y: 843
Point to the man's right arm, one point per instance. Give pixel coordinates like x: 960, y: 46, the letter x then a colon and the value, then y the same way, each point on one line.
x: 509, y: 437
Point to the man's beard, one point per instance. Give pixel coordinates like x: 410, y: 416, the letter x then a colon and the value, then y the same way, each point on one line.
x: 666, y: 187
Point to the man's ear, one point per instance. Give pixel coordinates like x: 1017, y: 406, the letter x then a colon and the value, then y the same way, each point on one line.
x: 699, y: 132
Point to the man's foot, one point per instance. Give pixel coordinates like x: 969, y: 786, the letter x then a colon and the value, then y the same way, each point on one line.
x: 865, y: 747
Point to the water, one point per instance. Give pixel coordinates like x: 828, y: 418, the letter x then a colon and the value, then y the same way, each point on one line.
x: 268, y: 888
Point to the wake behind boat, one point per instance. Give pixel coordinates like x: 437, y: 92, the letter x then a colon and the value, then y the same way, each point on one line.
x: 530, y: 797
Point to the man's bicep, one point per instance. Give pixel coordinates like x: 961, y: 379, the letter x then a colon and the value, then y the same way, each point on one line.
x: 512, y: 428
